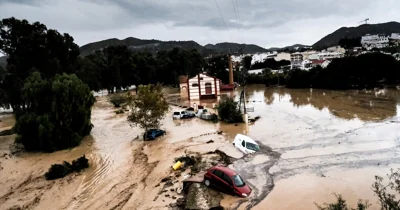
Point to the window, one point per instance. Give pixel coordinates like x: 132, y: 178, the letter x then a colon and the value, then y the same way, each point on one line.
x: 252, y: 146
x: 227, y: 179
x: 243, y: 144
x: 238, y: 181
x: 218, y: 173
x: 195, y: 85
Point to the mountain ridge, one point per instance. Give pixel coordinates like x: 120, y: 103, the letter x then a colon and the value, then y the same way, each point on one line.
x: 153, y: 45
x: 356, y: 32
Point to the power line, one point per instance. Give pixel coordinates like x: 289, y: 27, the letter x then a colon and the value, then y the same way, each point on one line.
x: 220, y: 13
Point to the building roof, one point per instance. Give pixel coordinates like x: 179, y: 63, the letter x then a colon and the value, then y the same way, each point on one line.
x: 205, y: 74
x: 317, y: 61
x: 183, y: 79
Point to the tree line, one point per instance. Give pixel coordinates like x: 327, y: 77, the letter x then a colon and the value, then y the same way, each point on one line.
x: 117, y: 67
x: 48, y: 84
x: 364, y: 71
x: 352, y: 72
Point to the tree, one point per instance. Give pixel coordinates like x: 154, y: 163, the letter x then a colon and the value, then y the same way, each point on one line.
x: 149, y: 107
x: 247, y: 62
x: 56, y: 114
x: 33, y: 47
x: 228, y: 111
x: 52, y: 106
x: 342, y: 205
x: 217, y: 66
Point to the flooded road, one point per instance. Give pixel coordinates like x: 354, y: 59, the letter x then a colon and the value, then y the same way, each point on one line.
x: 313, y: 143
x: 327, y: 140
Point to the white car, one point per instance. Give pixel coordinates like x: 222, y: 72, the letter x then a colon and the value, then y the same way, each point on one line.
x: 245, y: 144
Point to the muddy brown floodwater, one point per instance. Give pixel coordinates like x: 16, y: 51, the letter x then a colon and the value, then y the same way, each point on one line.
x: 313, y: 143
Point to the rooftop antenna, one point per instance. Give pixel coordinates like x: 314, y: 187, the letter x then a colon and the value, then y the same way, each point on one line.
x: 366, y: 21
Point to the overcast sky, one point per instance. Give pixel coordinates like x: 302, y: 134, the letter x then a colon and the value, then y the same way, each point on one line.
x: 266, y: 23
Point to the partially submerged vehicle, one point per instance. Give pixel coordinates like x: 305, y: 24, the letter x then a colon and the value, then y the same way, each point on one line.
x: 182, y: 115
x: 245, y: 144
x: 226, y: 180
x: 152, y: 134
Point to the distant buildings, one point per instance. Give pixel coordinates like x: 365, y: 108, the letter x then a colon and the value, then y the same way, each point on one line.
x: 296, y: 60
x: 374, y: 41
x: 380, y: 41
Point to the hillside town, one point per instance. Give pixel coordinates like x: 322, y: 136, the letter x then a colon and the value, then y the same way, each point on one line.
x: 307, y: 58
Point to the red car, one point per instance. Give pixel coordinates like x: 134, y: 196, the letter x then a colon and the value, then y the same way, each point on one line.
x: 226, y: 180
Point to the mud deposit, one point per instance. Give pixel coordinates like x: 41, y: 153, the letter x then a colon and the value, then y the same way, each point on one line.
x: 313, y: 143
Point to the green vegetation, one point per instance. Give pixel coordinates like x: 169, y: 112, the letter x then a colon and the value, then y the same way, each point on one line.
x: 228, y: 111
x: 57, y: 171
x: 270, y: 63
x: 52, y: 106
x: 149, y: 107
x: 364, y: 71
x: 119, y: 99
x: 56, y: 114
x: 117, y: 67
x: 387, y: 194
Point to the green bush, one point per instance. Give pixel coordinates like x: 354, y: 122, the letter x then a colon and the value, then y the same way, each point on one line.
x: 57, y: 171
x: 118, y: 99
x: 57, y: 113
x: 228, y: 111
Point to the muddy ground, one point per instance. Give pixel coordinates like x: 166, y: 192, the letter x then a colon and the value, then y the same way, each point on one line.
x: 313, y: 143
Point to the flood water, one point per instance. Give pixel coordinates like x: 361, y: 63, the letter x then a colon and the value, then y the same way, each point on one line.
x: 328, y: 141
x: 313, y: 143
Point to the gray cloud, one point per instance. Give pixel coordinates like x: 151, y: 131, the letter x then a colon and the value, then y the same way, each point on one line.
x: 262, y: 22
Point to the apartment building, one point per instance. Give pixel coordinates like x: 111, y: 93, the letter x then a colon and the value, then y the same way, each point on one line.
x: 296, y: 60
x: 374, y: 41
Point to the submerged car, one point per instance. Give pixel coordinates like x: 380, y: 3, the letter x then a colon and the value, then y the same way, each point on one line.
x: 245, y: 144
x: 152, y: 134
x: 182, y: 115
x: 226, y: 180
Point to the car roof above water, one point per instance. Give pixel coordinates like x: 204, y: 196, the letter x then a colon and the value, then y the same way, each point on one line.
x: 226, y: 170
x: 244, y: 137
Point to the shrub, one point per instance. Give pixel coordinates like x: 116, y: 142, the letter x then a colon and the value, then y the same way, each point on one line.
x: 80, y: 163
x: 56, y: 115
x: 342, y: 205
x: 118, y: 99
x: 57, y: 171
x: 228, y: 111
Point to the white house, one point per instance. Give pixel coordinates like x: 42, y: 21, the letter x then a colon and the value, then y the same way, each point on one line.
x: 374, y: 41
x: 330, y: 55
x: 203, y: 86
x: 296, y: 60
x: 282, y: 56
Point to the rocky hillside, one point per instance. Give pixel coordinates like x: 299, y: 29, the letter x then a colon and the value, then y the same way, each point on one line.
x: 354, y: 32
x: 156, y: 45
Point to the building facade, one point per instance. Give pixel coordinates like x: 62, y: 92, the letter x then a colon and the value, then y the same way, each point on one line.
x: 203, y: 86
x: 296, y: 60
x: 374, y: 41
